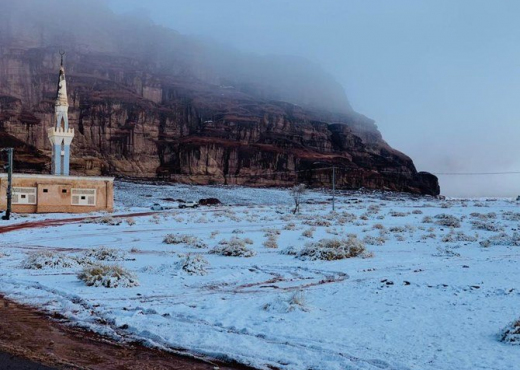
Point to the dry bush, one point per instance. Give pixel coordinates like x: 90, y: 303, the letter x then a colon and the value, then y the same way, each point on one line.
x: 290, y: 251
x: 271, y: 242
x: 511, y: 334
x: 373, y: 209
x: 295, y: 301
x: 105, y: 254
x: 374, y: 240
x: 309, y: 232
x: 48, y: 260
x: 193, y: 264
x: 271, y: 232
x: 400, y: 238
x: 502, y: 239
x: 484, y: 216
x: 332, y: 249
x: 446, y: 220
x: 290, y: 226
x: 417, y: 212
x: 316, y: 222
x: 428, y: 236
x: 379, y: 227
x: 105, y: 220
x: 398, y: 214
x: 237, y: 231
x: 427, y: 220
x: 130, y: 221
x: 453, y: 237
x: 214, y: 234
x: 190, y: 240
x: 233, y: 250
x: 109, y: 276
x: 397, y: 229
x: 486, y: 226
x: 511, y: 216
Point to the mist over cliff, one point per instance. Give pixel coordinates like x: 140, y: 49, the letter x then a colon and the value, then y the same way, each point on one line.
x: 90, y: 26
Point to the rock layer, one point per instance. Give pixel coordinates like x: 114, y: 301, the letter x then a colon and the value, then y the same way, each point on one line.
x: 133, y: 121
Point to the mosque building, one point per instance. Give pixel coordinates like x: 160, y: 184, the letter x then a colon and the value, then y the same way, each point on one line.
x: 58, y: 192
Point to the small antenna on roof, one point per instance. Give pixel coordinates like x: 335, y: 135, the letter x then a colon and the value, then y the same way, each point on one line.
x: 62, y: 53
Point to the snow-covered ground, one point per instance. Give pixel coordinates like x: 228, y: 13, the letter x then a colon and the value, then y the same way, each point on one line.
x: 436, y: 287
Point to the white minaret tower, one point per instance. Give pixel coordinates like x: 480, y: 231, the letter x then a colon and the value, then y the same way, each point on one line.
x: 61, y: 135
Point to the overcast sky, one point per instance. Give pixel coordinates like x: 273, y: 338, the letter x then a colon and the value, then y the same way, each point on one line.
x: 440, y: 77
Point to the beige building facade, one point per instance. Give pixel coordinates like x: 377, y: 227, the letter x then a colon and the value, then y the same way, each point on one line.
x: 58, y: 194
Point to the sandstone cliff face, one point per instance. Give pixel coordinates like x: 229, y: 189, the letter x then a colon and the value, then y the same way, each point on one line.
x: 131, y: 120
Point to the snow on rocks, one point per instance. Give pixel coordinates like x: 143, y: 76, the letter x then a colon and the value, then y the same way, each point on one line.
x: 511, y: 334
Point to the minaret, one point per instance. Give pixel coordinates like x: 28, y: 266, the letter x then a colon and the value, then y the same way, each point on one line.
x: 61, y: 135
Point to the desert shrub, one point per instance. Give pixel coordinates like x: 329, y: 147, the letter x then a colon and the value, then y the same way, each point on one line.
x: 511, y: 216
x: 290, y: 226
x: 417, y: 212
x: 293, y: 302
x: 105, y: 254
x: 502, y: 239
x: 309, y: 232
x: 271, y: 232
x: 373, y: 209
x: 214, y: 234
x: 458, y: 237
x: 483, y: 216
x: 427, y: 220
x: 332, y: 231
x: 105, y: 220
x: 397, y: 229
x: 400, y: 238
x: 135, y: 250
x: 378, y: 227
x: 130, y: 221
x: 317, y: 222
x: 428, y: 236
x: 487, y: 226
x: 193, y: 264
x: 190, y: 240
x: 364, y: 217
x: 332, y: 249
x: 446, y: 220
x: 237, y: 231
x: 398, y: 214
x: 290, y: 251
x: 48, y: 260
x: 511, y: 334
x: 233, y: 250
x: 348, y: 217
x: 374, y: 240
x: 109, y: 276
x: 271, y: 242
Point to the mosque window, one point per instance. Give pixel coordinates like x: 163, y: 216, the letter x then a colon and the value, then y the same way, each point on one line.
x: 83, y: 197
x: 24, y: 195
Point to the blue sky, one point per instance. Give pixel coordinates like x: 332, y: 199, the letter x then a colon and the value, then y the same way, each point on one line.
x: 440, y: 77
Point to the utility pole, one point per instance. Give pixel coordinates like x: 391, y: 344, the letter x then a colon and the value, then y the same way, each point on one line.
x: 9, y: 168
x: 333, y: 186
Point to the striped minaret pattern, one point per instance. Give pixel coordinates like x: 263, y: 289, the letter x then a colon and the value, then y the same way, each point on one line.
x: 61, y: 135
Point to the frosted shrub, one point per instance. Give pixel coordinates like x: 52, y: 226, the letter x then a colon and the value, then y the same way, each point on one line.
x: 397, y: 229
x: 458, y: 237
x: 400, y: 238
x: 374, y: 240
x: 428, y: 236
x: 484, y: 216
x: 271, y: 242
x: 130, y: 221
x: 293, y: 302
x: 48, y: 260
x: 398, y: 214
x: 309, y: 232
x: 332, y: 249
x: 105, y: 254
x: 446, y: 220
x: 237, y: 231
x: 271, y: 232
x: 487, y: 226
x: 511, y: 334
x: 233, y: 250
x: 502, y: 239
x: 373, y: 209
x: 317, y: 222
x: 378, y: 227
x: 427, y: 220
x: 511, y: 216
x: 290, y: 251
x: 290, y: 226
x: 193, y: 264
x: 214, y: 234
x: 105, y: 220
x: 190, y: 240
x: 348, y: 217
x: 417, y: 212
x: 109, y: 276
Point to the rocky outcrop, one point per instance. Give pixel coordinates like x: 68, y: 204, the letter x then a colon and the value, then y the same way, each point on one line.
x: 132, y: 122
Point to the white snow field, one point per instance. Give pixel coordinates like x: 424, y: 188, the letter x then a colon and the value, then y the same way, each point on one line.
x: 435, y: 289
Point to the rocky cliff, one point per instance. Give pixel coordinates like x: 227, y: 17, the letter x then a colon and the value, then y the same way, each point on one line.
x: 183, y: 119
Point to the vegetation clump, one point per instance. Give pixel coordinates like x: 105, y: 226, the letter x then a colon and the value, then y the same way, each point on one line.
x: 333, y: 249
x: 108, y: 276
